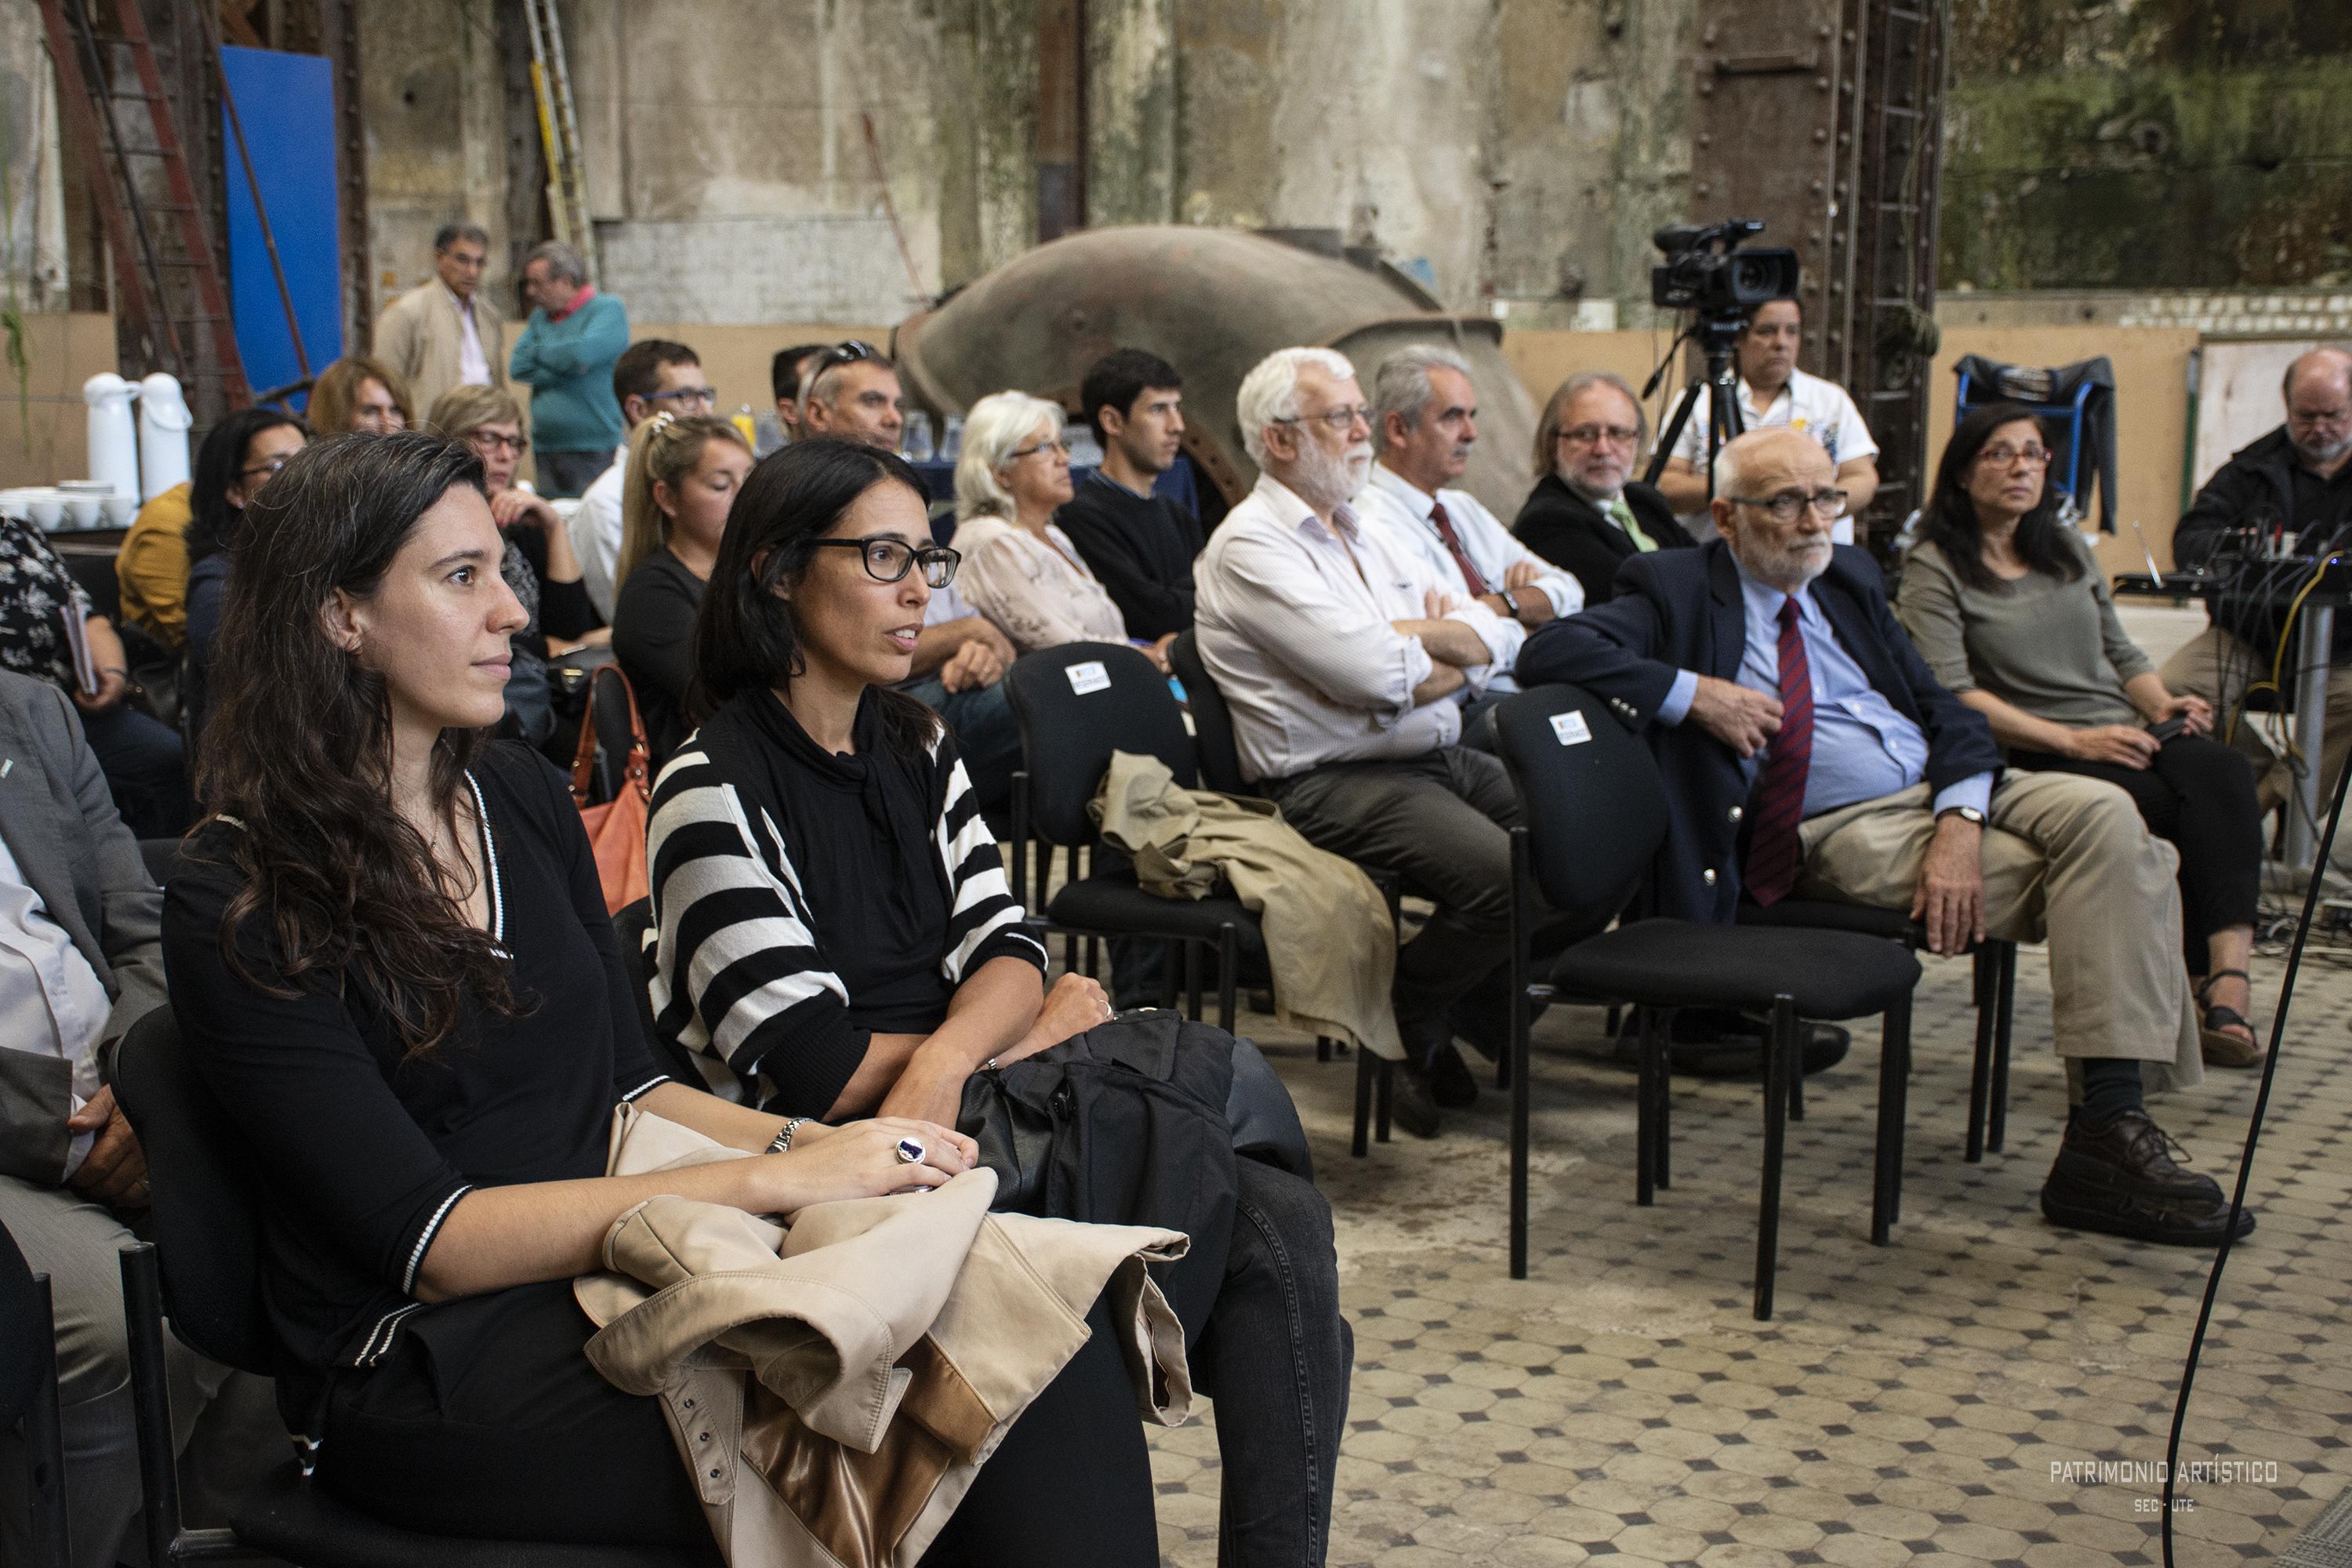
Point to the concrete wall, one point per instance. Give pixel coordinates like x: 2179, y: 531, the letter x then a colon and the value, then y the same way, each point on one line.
x: 433, y: 109
x: 2159, y: 144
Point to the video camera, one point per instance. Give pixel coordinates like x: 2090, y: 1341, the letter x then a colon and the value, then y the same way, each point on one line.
x: 1707, y: 271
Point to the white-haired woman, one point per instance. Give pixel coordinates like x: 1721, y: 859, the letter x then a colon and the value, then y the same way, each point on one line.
x: 1018, y: 570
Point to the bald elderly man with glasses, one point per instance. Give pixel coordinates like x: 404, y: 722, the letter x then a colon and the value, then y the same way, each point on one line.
x: 1807, y: 752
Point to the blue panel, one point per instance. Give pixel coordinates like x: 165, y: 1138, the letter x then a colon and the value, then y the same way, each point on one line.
x: 287, y: 104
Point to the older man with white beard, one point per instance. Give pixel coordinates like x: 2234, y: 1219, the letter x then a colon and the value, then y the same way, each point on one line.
x: 1344, y: 659
x: 1806, y: 750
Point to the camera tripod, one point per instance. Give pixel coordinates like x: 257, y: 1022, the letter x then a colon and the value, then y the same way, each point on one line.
x: 1717, y: 336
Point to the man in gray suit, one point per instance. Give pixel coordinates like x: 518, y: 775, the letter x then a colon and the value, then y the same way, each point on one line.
x: 81, y: 962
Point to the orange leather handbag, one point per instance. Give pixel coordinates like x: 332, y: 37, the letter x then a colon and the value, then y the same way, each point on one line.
x: 616, y: 828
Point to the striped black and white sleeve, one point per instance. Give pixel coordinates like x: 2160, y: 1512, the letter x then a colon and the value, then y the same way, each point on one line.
x: 985, y: 920
x: 738, y: 977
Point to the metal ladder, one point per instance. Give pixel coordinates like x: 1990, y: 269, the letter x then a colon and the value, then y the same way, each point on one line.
x: 559, y: 134
x: 167, y: 281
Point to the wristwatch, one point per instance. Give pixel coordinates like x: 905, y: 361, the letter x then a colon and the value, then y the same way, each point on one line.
x: 1965, y: 813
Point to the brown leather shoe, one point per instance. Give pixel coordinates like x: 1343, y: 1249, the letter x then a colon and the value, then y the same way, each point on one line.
x: 2125, y: 1179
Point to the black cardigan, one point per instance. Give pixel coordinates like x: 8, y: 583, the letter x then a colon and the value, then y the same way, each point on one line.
x: 1571, y: 532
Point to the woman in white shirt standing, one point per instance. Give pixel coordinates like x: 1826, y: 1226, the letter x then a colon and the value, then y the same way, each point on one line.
x: 1020, y: 570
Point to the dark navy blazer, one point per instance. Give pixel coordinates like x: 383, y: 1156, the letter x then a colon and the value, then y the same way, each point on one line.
x: 1682, y: 609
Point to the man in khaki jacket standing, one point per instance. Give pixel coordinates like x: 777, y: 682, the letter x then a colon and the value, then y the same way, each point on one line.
x: 446, y: 332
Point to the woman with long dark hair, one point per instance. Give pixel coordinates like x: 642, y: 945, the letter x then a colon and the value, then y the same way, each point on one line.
x: 391, y: 962
x: 837, y: 936
x: 2008, y: 607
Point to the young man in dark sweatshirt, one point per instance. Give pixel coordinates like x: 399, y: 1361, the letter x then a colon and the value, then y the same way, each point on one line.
x: 1140, y: 545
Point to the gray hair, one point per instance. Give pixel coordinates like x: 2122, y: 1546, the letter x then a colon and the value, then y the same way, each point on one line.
x: 1269, y: 394
x: 449, y: 234
x: 993, y: 429
x: 562, y: 261
x: 1726, y: 470
x: 1402, y: 386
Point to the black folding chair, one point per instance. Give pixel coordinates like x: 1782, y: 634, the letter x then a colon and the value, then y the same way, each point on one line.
x: 1996, y: 995
x: 1076, y: 705
x: 1596, y: 816
x: 29, y: 1393
x: 205, y: 1260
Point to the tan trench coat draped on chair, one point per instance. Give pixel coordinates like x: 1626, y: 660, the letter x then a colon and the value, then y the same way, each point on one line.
x: 1329, y: 937
x: 833, y: 1387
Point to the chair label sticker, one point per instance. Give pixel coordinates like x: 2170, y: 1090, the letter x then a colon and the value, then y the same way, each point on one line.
x: 1571, y: 728
x: 1088, y: 676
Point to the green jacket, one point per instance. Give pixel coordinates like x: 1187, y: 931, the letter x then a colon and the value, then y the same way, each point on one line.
x: 567, y: 366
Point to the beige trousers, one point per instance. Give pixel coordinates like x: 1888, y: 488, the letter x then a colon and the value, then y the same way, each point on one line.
x: 2219, y: 667
x: 2067, y: 860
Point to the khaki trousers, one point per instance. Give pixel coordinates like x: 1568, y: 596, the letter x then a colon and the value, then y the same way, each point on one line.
x: 2067, y: 860
x: 2219, y: 667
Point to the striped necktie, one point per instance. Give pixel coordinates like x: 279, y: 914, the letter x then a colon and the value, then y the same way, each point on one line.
x: 1471, y: 576
x: 1777, y: 805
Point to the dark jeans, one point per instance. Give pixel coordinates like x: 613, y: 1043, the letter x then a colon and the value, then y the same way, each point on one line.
x: 1275, y: 1357
x: 526, y: 1441
x: 1441, y: 822
x: 141, y: 758
x: 985, y: 732
x: 2199, y: 796
x: 569, y: 473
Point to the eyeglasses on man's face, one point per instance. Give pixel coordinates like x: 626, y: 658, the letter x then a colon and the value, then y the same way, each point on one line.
x: 1786, y: 505
x: 1593, y: 434
x: 1340, y: 420
x: 888, y: 559
x: 685, y: 397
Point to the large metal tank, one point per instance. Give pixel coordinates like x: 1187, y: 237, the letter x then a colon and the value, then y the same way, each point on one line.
x: 1213, y: 302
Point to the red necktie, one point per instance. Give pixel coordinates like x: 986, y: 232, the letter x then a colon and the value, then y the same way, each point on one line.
x: 1470, y: 574
x: 1778, y: 802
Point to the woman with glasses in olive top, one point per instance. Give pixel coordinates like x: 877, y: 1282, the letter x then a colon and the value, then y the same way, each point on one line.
x: 1018, y: 570
x: 2008, y: 607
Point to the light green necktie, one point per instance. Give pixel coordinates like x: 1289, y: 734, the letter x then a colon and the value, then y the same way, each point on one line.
x: 1623, y: 515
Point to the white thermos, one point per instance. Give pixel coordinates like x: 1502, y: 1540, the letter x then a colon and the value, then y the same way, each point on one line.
x: 113, y: 439
x: 164, y: 423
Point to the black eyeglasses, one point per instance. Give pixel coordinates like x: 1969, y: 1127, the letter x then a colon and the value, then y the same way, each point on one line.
x: 888, y: 559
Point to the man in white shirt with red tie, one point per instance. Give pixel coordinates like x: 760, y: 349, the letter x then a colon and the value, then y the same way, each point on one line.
x: 1424, y: 422
x: 1343, y: 657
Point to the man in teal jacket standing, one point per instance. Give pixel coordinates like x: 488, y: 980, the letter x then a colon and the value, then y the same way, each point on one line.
x: 565, y: 355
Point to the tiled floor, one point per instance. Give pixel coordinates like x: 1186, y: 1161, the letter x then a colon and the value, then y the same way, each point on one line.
x: 1907, y: 1404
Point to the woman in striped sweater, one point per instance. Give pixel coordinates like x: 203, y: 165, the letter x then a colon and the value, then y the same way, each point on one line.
x: 835, y: 937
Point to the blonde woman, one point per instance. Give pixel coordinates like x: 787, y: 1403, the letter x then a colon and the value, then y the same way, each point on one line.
x: 538, y: 563
x: 1020, y: 570
x: 358, y: 397
x: 682, y: 478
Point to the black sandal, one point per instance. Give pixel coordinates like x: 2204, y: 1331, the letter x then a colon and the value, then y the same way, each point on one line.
x: 2221, y: 1048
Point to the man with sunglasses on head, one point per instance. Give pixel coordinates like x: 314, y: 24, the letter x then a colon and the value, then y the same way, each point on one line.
x: 852, y: 391
x: 655, y: 376
x: 1343, y: 657
x: 1806, y: 750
